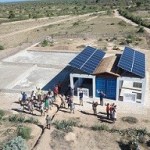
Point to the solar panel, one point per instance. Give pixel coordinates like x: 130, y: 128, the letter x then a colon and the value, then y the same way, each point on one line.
x: 88, y: 59
x: 93, y: 61
x: 133, y: 61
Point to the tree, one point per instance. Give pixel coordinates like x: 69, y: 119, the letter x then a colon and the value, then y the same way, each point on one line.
x: 138, y: 4
x: 11, y: 15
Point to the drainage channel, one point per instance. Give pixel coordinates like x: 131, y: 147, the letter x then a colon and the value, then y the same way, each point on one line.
x: 43, y: 129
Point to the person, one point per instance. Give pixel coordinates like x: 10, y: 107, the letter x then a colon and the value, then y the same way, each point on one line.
x: 81, y: 96
x: 114, y: 116
x: 69, y: 101
x: 39, y: 93
x: 101, y: 95
x: 46, y: 102
x: 59, y: 87
x: 42, y: 108
x: 94, y: 106
x: 63, y: 103
x: 55, y: 92
x: 30, y: 107
x: 72, y: 107
x: 24, y: 97
x: 111, y: 111
x: 33, y: 96
x: 70, y: 91
x: 107, y: 110
x: 48, y: 122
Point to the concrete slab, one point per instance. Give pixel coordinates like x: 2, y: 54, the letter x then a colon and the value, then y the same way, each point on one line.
x: 39, y: 77
x: 47, y: 58
x: 9, y: 73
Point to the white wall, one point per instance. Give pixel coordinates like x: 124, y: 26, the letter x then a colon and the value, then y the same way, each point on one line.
x: 130, y: 86
x: 72, y: 75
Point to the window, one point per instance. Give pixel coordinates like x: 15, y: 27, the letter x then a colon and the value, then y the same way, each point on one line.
x: 138, y: 95
x: 137, y: 85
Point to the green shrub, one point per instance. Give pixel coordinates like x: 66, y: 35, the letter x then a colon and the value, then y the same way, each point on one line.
x: 24, y: 132
x: 44, y: 43
x: 141, y: 30
x: 13, y: 118
x: 1, y: 47
x: 31, y: 120
x: 76, y: 23
x: 17, y: 143
x: 122, y: 23
x: 65, y: 125
x: 100, y: 127
x: 129, y: 119
x: 2, y: 113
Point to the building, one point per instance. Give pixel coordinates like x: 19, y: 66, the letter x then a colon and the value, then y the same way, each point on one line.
x: 121, y: 77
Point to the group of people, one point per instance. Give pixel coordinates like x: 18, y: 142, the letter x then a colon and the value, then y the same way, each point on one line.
x: 111, y: 111
x: 43, y: 102
x: 37, y: 100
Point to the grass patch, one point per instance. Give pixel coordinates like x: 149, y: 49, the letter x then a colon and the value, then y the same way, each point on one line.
x: 2, y: 113
x: 129, y: 119
x: 102, y: 127
x: 65, y: 125
x: 22, y: 119
x: 24, y: 132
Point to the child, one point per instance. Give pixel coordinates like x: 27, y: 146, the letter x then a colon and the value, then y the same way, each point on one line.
x: 72, y: 107
x: 94, y: 106
x: 48, y: 122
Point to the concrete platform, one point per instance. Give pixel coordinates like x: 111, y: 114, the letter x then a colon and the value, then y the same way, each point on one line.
x: 27, y: 69
x: 47, y: 58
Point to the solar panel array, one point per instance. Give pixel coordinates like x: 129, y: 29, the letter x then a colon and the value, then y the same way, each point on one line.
x: 133, y: 61
x: 88, y: 59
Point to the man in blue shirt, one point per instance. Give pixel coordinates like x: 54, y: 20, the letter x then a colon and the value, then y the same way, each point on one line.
x: 101, y: 95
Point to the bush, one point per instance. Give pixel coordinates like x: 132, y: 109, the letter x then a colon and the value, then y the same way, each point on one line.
x: 1, y: 47
x: 129, y: 119
x: 32, y: 120
x: 2, y: 113
x: 65, y: 125
x: 122, y: 23
x: 141, y: 30
x: 17, y: 143
x: 13, y: 118
x: 44, y: 43
x: 100, y: 127
x: 24, y: 132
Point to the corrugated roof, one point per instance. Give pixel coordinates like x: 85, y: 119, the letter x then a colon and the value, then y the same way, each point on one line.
x: 108, y: 65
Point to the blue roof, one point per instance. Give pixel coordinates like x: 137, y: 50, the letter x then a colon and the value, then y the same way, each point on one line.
x: 133, y: 61
x: 88, y: 59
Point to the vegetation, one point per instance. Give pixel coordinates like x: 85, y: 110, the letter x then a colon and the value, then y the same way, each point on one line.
x: 129, y: 119
x: 100, y: 127
x: 1, y: 47
x: 136, y: 19
x: 24, y: 132
x: 17, y: 143
x: 65, y: 125
x: 22, y: 119
x: 141, y: 30
x: 2, y: 113
x: 44, y: 43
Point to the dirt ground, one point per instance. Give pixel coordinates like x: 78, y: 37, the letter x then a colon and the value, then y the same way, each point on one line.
x: 79, y: 138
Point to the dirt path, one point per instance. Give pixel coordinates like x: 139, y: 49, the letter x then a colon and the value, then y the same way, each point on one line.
x: 117, y: 15
x: 44, y: 25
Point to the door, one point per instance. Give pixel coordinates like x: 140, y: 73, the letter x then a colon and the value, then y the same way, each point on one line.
x: 108, y: 86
